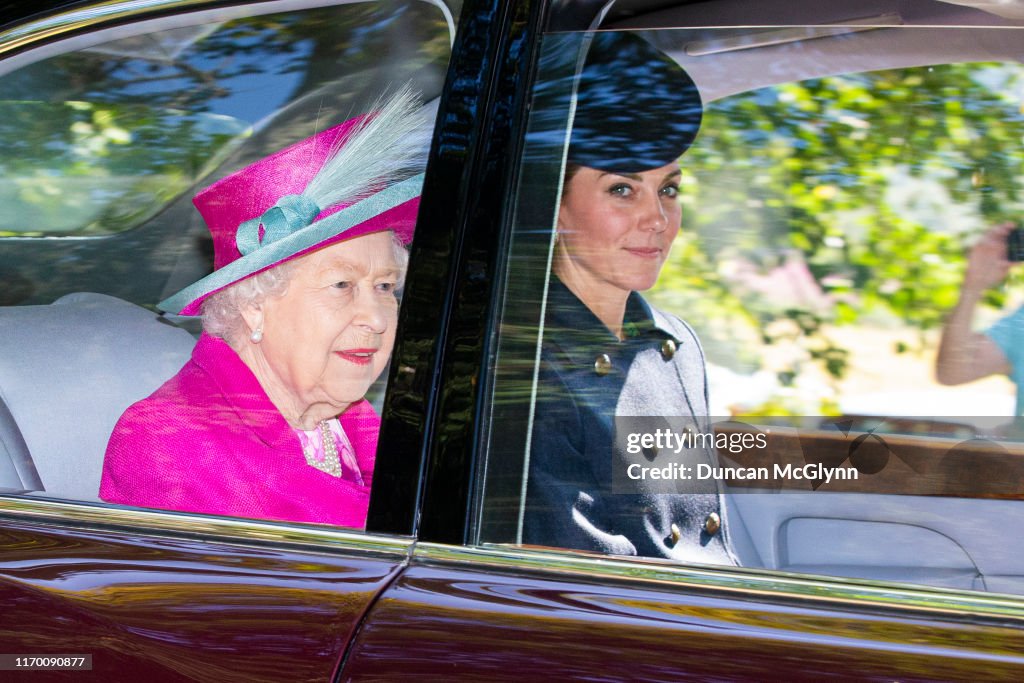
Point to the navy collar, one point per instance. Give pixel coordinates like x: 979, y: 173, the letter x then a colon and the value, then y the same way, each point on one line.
x: 574, y: 329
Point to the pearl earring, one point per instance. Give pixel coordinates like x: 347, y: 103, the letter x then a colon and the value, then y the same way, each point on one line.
x: 257, y: 335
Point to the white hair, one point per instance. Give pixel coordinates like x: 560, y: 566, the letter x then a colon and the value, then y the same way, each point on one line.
x: 222, y: 311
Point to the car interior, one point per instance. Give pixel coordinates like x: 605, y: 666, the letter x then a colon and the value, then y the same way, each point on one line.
x: 69, y: 370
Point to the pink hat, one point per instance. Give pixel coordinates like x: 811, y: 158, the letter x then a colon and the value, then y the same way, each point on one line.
x: 350, y: 180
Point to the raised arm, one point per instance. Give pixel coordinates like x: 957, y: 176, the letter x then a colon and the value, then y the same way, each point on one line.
x: 966, y: 355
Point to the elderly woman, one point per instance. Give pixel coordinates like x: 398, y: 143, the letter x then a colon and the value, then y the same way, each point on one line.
x: 268, y: 419
x: 606, y: 352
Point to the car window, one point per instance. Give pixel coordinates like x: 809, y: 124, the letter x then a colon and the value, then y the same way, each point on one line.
x: 779, y: 390
x: 108, y: 136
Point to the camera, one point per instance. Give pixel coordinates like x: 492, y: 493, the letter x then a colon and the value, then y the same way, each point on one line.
x: 1015, y: 244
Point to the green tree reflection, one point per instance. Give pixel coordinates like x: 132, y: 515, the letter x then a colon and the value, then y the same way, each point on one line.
x: 873, y: 183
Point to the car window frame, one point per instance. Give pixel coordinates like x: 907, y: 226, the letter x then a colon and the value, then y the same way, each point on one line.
x: 468, y: 186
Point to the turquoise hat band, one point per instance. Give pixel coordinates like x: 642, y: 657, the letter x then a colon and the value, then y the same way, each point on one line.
x: 291, y: 213
x: 271, y: 252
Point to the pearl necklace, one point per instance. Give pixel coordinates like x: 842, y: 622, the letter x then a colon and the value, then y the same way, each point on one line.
x: 331, y: 464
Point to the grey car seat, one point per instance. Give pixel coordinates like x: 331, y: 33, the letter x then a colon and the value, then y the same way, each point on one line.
x: 67, y: 372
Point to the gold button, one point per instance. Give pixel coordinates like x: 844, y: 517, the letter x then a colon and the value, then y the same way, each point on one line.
x: 603, y: 364
x: 676, y: 534
x: 668, y: 349
x: 712, y: 524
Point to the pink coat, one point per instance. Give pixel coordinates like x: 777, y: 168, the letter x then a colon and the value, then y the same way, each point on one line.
x: 210, y: 441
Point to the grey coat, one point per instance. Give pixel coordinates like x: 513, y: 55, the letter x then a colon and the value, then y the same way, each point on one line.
x: 587, y: 378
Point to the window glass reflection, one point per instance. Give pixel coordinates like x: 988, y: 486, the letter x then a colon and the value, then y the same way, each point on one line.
x: 136, y: 121
x: 829, y: 221
x: 112, y: 149
x: 834, y: 213
x: 114, y: 139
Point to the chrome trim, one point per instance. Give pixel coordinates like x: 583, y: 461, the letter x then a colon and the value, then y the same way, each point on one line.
x: 104, y: 517
x: 110, y: 11
x: 730, y: 581
x: 76, y: 19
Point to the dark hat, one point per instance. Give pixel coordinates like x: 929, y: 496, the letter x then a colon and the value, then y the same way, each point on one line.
x: 636, y: 108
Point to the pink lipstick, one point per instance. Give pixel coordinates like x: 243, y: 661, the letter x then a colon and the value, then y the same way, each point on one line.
x: 357, y: 356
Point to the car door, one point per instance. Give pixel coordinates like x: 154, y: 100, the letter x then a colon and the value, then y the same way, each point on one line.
x: 891, y: 577
x: 114, y: 116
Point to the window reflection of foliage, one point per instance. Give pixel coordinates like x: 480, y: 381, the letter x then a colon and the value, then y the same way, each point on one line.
x: 129, y: 160
x: 809, y: 169
x: 130, y: 110
x: 316, y: 43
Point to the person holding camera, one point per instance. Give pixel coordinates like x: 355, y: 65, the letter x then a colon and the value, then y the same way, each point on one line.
x: 966, y: 355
